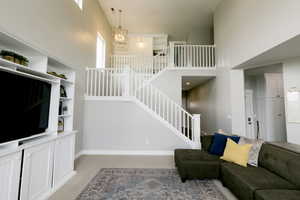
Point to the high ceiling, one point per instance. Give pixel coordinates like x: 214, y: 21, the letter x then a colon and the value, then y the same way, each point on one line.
x: 176, y: 18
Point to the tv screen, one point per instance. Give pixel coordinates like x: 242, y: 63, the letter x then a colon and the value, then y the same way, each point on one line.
x: 25, y: 106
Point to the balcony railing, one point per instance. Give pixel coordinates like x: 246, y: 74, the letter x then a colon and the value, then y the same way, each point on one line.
x: 178, y: 56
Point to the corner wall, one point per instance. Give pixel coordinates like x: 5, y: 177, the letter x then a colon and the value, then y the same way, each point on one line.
x: 60, y: 29
x: 243, y: 30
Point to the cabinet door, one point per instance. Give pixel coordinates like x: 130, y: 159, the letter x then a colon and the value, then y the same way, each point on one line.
x: 10, y: 169
x: 63, y: 159
x: 37, y: 171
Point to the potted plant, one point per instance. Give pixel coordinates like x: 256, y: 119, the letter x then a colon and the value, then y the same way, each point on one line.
x: 7, y: 55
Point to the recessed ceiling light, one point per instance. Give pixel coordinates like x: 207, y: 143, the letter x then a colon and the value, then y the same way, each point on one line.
x: 188, y: 83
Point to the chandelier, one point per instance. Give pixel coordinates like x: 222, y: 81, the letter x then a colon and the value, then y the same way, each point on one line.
x: 119, y: 34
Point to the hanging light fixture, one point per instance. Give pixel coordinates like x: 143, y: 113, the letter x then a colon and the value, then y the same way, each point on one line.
x: 120, y: 34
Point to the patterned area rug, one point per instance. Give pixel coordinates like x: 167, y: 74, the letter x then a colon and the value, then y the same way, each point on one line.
x: 147, y: 184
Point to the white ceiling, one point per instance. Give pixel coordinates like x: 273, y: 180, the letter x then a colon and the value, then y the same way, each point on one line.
x: 193, y: 81
x: 283, y: 51
x: 177, y: 18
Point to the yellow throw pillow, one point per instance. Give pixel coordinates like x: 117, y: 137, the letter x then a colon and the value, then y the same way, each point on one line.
x: 236, y: 153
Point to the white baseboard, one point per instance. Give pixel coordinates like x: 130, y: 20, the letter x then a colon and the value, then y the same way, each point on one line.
x: 78, y: 155
x: 124, y: 152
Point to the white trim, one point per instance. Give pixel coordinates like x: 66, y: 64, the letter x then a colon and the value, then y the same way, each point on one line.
x: 126, y: 152
x: 80, y: 153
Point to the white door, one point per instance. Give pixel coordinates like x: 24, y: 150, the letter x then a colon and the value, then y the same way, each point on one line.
x: 37, y: 171
x: 275, y: 118
x: 250, y: 116
x: 63, y: 159
x: 275, y: 110
x: 10, y: 169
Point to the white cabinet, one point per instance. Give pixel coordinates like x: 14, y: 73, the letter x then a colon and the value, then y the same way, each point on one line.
x: 63, y: 159
x: 10, y: 169
x: 37, y: 171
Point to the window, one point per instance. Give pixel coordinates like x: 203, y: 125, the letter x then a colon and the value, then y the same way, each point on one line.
x: 100, y: 57
x: 79, y: 3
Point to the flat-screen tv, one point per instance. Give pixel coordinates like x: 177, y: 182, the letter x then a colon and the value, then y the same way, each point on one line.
x: 24, y: 106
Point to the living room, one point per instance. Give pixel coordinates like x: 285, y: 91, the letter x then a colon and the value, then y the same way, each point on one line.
x: 95, y: 108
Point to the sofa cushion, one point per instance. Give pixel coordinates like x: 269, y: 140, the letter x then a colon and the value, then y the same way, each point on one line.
x: 282, y: 162
x: 277, y: 194
x: 243, y: 182
x: 206, y: 141
x: 255, y: 149
x: 236, y: 153
x: 219, y: 143
x: 196, y: 164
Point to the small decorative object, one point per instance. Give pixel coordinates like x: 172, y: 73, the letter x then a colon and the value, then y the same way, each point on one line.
x: 7, y: 55
x: 58, y: 75
x: 14, y: 57
x: 63, y: 92
x: 65, y: 109
x: 61, y: 123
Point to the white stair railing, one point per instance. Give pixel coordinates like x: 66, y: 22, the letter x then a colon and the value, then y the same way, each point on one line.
x: 168, y: 110
x: 125, y: 82
x: 113, y: 82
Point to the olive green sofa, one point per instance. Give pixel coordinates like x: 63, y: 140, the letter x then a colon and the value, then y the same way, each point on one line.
x: 276, y: 178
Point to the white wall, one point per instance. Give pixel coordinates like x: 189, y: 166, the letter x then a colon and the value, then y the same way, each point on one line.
x: 60, y: 29
x: 124, y: 126
x: 201, y: 36
x: 169, y: 81
x: 135, y: 49
x: 291, y: 74
x: 244, y: 29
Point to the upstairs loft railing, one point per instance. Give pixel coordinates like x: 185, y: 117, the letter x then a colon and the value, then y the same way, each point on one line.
x: 179, y: 56
x: 199, y: 56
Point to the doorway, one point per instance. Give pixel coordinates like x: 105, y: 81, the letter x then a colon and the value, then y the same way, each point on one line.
x: 264, y: 104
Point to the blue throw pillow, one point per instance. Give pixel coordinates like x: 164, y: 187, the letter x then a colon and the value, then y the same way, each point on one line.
x: 219, y: 143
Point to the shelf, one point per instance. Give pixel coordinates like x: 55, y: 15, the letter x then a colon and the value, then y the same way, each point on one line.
x: 61, y: 79
x: 13, y: 71
x: 66, y: 81
x: 66, y: 115
x: 25, y: 69
x: 65, y: 99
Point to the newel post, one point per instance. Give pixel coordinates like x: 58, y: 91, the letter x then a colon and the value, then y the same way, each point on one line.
x: 172, y: 55
x: 197, y: 131
x: 126, y: 83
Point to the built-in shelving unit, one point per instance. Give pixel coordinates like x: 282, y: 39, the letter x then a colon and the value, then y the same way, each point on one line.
x: 38, y: 68
x: 53, y: 150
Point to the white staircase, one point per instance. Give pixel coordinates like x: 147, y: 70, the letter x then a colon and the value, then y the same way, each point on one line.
x: 129, y: 77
